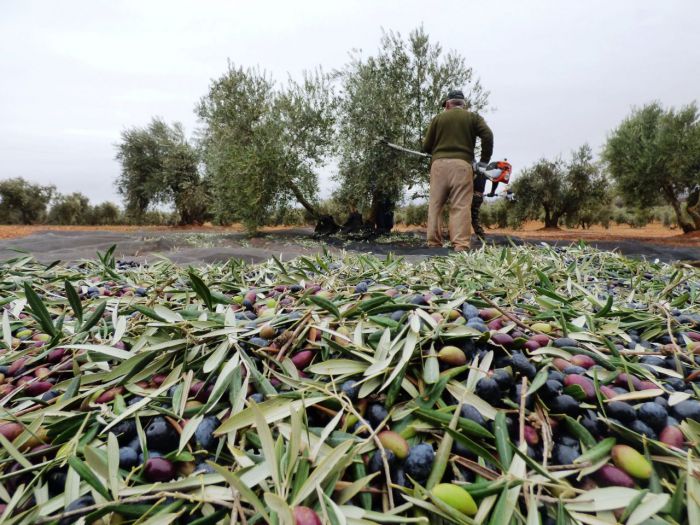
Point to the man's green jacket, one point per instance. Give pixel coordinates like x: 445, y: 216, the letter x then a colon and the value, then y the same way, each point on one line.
x: 452, y: 135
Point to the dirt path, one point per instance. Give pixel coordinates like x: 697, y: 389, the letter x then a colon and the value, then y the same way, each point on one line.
x: 208, y: 245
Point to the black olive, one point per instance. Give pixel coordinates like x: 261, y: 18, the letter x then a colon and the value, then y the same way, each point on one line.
x: 523, y: 365
x: 350, y: 388
x: 573, y: 369
x: 161, y: 435
x: 564, y: 455
x: 653, y: 414
x: 376, y: 464
x: 503, y: 378
x: 204, y: 434
x: 125, y: 430
x: 564, y: 404
x: 469, y: 412
x: 556, y: 375
x: 488, y: 390
x: 551, y: 389
x: 624, y: 412
x: 85, y: 501
x: 688, y: 409
x: 419, y: 462
x: 642, y: 428
x: 376, y: 413
x: 128, y: 458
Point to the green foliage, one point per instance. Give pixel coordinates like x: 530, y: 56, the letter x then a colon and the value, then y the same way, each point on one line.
x: 575, y: 191
x: 414, y: 215
x: 155, y: 218
x: 289, y: 216
x: 333, y: 206
x: 594, y: 213
x: 666, y: 216
x: 394, y: 94
x: 638, y: 217
x: 25, y: 203
x: 635, y: 217
x: 73, y: 209
x: 499, y: 214
x: 106, y: 213
x: 22, y: 202
x: 159, y: 166
x: 654, y: 157
x: 262, y: 144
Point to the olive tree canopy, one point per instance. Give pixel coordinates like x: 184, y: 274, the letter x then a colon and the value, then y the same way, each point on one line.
x: 22, y: 202
x: 394, y: 94
x: 556, y: 190
x: 262, y: 143
x: 654, y: 157
x: 159, y: 166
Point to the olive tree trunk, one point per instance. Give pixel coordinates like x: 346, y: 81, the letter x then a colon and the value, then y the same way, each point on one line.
x: 676, y: 205
x: 693, y: 207
x: 551, y: 220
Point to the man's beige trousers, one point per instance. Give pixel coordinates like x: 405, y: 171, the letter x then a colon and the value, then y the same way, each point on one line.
x: 453, y: 180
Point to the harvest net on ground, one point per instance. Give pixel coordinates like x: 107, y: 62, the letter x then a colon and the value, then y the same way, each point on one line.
x: 509, y: 385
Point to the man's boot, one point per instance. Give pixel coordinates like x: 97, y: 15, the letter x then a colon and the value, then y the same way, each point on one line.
x: 494, y: 185
x: 477, y: 201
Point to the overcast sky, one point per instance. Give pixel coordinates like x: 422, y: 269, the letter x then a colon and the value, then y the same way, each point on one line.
x: 74, y: 74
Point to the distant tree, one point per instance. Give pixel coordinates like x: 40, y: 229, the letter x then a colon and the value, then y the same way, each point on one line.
x: 22, y: 202
x: 394, y: 94
x: 560, y: 190
x: 105, y: 213
x: 159, y: 166
x: 72, y: 209
x: 654, y: 157
x: 262, y: 144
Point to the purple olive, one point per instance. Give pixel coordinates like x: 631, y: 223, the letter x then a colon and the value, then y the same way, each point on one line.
x: 672, y: 436
x: 305, y: 516
x: 583, y: 361
x: 531, y: 345
x: 159, y: 469
x: 489, y: 313
x: 586, y: 384
x: 610, y: 476
x: 56, y: 355
x: 502, y: 339
x: 303, y: 358
x: 37, y: 388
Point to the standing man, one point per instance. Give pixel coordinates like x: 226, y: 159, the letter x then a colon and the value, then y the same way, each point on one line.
x: 450, y: 140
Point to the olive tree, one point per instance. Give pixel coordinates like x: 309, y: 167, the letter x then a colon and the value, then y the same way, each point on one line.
x: 263, y: 143
x: 105, y: 213
x: 557, y: 190
x: 72, y: 209
x: 654, y: 158
x: 159, y: 166
x: 22, y: 202
x: 394, y: 94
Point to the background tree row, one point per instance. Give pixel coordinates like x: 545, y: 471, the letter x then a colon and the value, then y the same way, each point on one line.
x: 256, y: 155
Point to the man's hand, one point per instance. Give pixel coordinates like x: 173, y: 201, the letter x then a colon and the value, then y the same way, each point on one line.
x: 479, y: 167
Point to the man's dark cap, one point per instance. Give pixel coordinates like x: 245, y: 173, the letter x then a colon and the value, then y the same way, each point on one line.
x: 455, y: 94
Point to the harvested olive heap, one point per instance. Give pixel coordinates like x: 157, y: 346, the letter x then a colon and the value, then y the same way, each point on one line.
x: 517, y: 385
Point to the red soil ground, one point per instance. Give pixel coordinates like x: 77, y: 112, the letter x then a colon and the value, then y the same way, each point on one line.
x: 655, y: 232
